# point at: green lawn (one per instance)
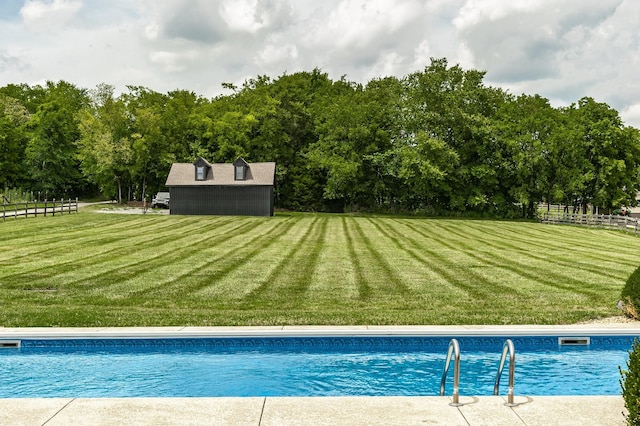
(91, 269)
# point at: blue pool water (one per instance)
(304, 366)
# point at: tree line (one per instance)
(437, 141)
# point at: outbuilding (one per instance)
(239, 188)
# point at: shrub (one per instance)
(630, 296)
(630, 384)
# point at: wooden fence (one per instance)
(603, 221)
(35, 209)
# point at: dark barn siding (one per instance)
(222, 200)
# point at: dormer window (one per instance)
(240, 169)
(239, 173)
(201, 168)
(201, 173)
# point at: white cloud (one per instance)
(152, 31)
(529, 40)
(422, 54)
(54, 15)
(390, 63)
(631, 115)
(358, 23)
(240, 15)
(277, 53)
(475, 12)
(562, 50)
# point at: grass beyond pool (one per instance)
(305, 366)
(91, 269)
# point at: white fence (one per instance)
(42, 208)
(603, 221)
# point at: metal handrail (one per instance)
(507, 348)
(454, 349)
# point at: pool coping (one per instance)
(619, 329)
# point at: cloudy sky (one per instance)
(562, 50)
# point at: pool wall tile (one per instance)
(323, 344)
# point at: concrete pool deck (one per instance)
(352, 411)
(263, 411)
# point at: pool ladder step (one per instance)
(454, 351)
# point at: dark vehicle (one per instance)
(621, 212)
(161, 200)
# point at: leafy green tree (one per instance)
(13, 140)
(344, 137)
(611, 153)
(299, 184)
(526, 125)
(180, 123)
(150, 148)
(105, 150)
(51, 154)
(30, 97)
(452, 105)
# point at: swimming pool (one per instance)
(305, 366)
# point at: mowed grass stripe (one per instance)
(561, 239)
(588, 248)
(122, 256)
(519, 295)
(426, 284)
(449, 262)
(152, 285)
(198, 256)
(213, 282)
(154, 270)
(377, 250)
(362, 283)
(403, 255)
(334, 280)
(35, 245)
(81, 280)
(597, 263)
(511, 265)
(542, 256)
(265, 272)
(288, 282)
(83, 228)
(89, 245)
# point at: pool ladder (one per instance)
(509, 349)
(454, 350)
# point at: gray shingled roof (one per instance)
(183, 174)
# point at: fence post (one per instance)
(626, 224)
(53, 213)
(76, 204)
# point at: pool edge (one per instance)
(623, 329)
